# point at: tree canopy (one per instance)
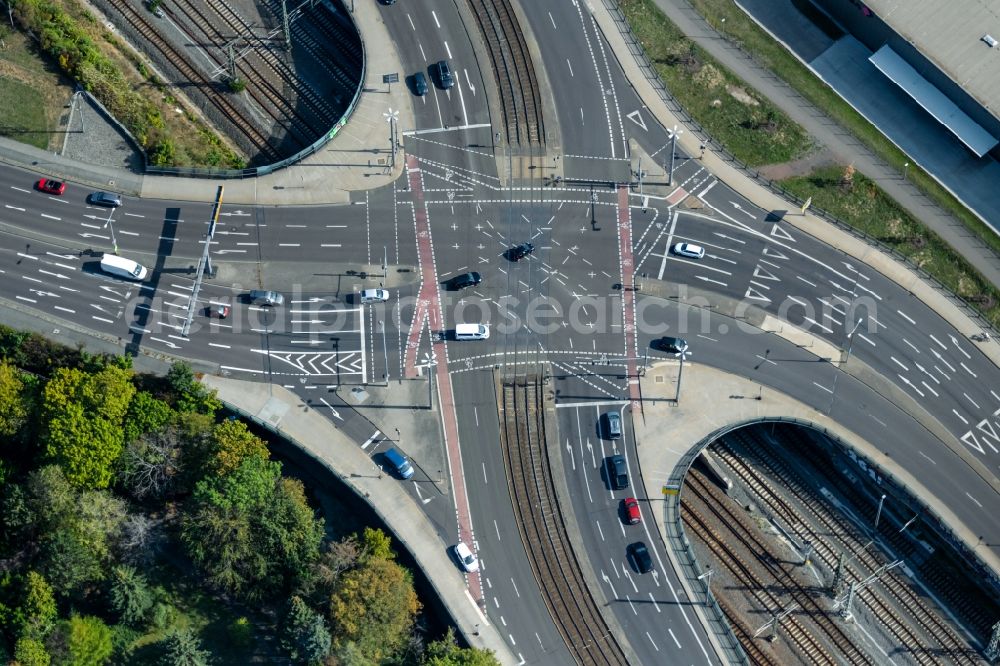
(82, 417)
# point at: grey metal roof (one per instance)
(949, 33)
(933, 101)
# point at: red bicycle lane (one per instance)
(428, 312)
(628, 294)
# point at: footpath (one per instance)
(286, 414)
(669, 435)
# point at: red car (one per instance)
(217, 311)
(632, 516)
(51, 186)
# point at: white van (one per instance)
(472, 331)
(122, 267)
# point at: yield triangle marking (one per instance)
(756, 295)
(972, 435)
(637, 119)
(987, 428)
(778, 232)
(771, 252)
(765, 274)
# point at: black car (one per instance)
(640, 556)
(420, 84)
(617, 472)
(671, 345)
(465, 280)
(521, 251)
(444, 76)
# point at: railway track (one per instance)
(543, 532)
(739, 531)
(949, 646)
(138, 22)
(515, 72)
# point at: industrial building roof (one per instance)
(953, 35)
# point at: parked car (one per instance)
(671, 345)
(469, 562)
(519, 252)
(444, 75)
(689, 250)
(617, 472)
(420, 84)
(631, 511)
(641, 559)
(266, 298)
(109, 199)
(51, 186)
(465, 280)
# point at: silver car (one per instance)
(268, 298)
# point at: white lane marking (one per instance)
(974, 500)
(912, 346)
(422, 54)
(906, 317)
(570, 65)
(928, 387)
(955, 412)
(515, 588)
(655, 603)
(897, 362)
(446, 48)
(484, 474)
(862, 336)
(52, 217)
(652, 641)
(214, 344)
(436, 22)
(410, 19)
(31, 300)
(967, 369)
(553, 21)
(811, 284)
(823, 387)
(497, 528)
(461, 100)
(599, 529)
(941, 344)
(974, 404)
(676, 642)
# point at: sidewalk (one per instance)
(833, 136)
(690, 424)
(285, 413)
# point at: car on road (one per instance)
(640, 557)
(50, 186)
(464, 280)
(265, 298)
(469, 562)
(671, 345)
(617, 472)
(218, 311)
(630, 509)
(444, 76)
(420, 84)
(108, 199)
(519, 252)
(689, 250)
(398, 462)
(373, 296)
(612, 425)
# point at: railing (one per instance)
(642, 59)
(232, 174)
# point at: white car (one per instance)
(465, 557)
(373, 296)
(689, 250)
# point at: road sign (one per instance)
(390, 78)
(671, 490)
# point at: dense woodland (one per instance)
(139, 525)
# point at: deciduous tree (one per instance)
(38, 613)
(234, 443)
(82, 418)
(446, 652)
(31, 652)
(145, 414)
(82, 640)
(374, 606)
(13, 401)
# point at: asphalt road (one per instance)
(562, 305)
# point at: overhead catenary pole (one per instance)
(205, 263)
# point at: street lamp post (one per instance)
(847, 357)
(878, 514)
(707, 576)
(673, 142)
(108, 225)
